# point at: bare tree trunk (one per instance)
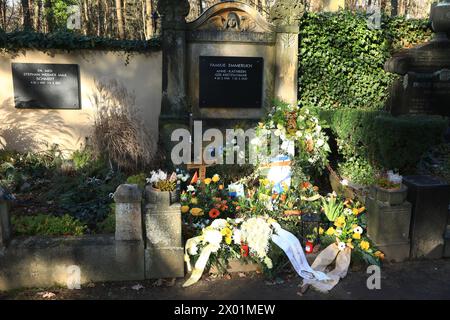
(148, 19)
(394, 8)
(119, 14)
(26, 14)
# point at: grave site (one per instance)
(224, 150)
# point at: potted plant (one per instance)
(389, 189)
(162, 189)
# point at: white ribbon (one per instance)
(294, 251)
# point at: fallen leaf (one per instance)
(47, 295)
(158, 283)
(138, 287)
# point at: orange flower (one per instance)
(274, 196)
(283, 198)
(316, 188)
(306, 185)
(214, 213)
(221, 187)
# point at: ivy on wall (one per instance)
(342, 60)
(14, 42)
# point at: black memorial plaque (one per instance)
(46, 86)
(231, 82)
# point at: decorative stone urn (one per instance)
(440, 16)
(391, 196)
(162, 199)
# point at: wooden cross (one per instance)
(200, 167)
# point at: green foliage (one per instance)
(359, 170)
(109, 224)
(140, 180)
(341, 59)
(67, 40)
(403, 140)
(368, 140)
(332, 207)
(17, 168)
(46, 225)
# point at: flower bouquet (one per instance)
(205, 201)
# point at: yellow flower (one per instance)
(356, 236)
(340, 221)
(365, 245)
(358, 211)
(265, 182)
(227, 233)
(271, 220)
(207, 181)
(321, 231)
(196, 212)
(215, 178)
(379, 255)
(194, 201)
(184, 209)
(330, 231)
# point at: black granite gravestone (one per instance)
(46, 86)
(430, 198)
(231, 82)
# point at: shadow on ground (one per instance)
(411, 280)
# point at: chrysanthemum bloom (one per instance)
(330, 231)
(207, 181)
(216, 178)
(214, 213)
(184, 209)
(196, 212)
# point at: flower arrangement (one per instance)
(293, 124)
(162, 181)
(230, 238)
(390, 181)
(348, 229)
(205, 201)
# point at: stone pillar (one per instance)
(128, 199)
(164, 253)
(388, 222)
(174, 105)
(285, 15)
(5, 226)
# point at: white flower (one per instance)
(268, 262)
(358, 230)
(256, 232)
(162, 175)
(219, 224)
(348, 211)
(190, 188)
(277, 132)
(237, 236)
(344, 182)
(320, 143)
(342, 246)
(299, 134)
(193, 250)
(338, 232)
(213, 237)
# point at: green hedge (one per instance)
(342, 60)
(383, 140)
(67, 40)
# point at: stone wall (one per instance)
(28, 129)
